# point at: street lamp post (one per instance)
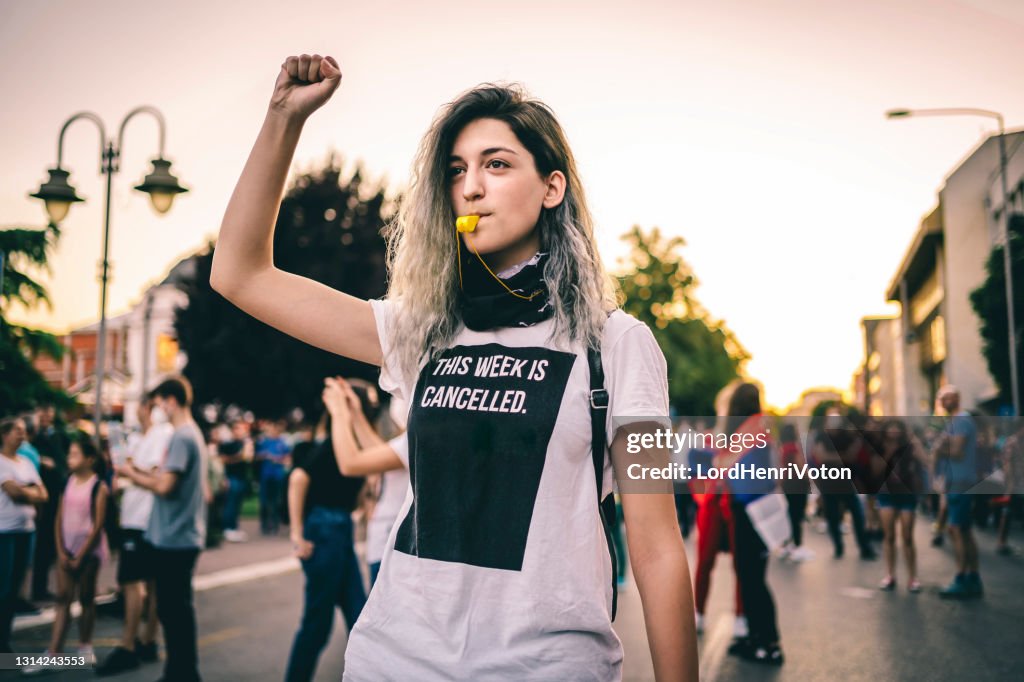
(58, 195)
(1007, 260)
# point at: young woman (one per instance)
(496, 570)
(897, 500)
(81, 546)
(320, 503)
(743, 419)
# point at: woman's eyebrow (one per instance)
(486, 152)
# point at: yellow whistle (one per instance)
(466, 223)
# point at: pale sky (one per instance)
(754, 129)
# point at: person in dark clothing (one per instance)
(836, 446)
(796, 490)
(236, 453)
(320, 502)
(52, 443)
(744, 417)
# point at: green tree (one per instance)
(328, 230)
(703, 356)
(23, 387)
(989, 303)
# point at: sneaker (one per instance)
(741, 646)
(801, 554)
(914, 586)
(1005, 550)
(235, 535)
(739, 627)
(974, 587)
(888, 584)
(955, 590)
(700, 623)
(868, 554)
(767, 655)
(118, 661)
(88, 653)
(147, 653)
(938, 539)
(838, 553)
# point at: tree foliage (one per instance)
(703, 356)
(989, 303)
(23, 387)
(328, 229)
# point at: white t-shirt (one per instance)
(147, 452)
(394, 487)
(498, 567)
(17, 517)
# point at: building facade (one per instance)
(939, 340)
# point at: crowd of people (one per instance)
(151, 501)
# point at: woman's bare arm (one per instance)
(660, 568)
(353, 459)
(243, 262)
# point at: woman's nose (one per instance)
(472, 185)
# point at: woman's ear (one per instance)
(555, 189)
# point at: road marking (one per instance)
(200, 583)
(220, 636)
(715, 647)
(241, 574)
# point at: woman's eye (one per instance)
(497, 163)
(453, 171)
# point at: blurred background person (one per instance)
(81, 548)
(236, 453)
(135, 570)
(274, 454)
(1009, 502)
(796, 490)
(52, 441)
(744, 416)
(903, 464)
(320, 503)
(177, 527)
(956, 452)
(838, 445)
(21, 491)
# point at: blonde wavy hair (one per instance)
(421, 246)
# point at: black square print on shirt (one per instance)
(479, 428)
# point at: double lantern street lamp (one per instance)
(1007, 261)
(58, 195)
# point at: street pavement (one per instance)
(835, 624)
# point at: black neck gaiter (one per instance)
(485, 304)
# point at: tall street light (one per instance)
(58, 195)
(1007, 261)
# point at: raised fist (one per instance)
(304, 84)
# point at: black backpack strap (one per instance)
(92, 497)
(606, 505)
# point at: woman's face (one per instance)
(16, 436)
(75, 457)
(491, 174)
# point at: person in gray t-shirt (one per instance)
(178, 520)
(177, 526)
